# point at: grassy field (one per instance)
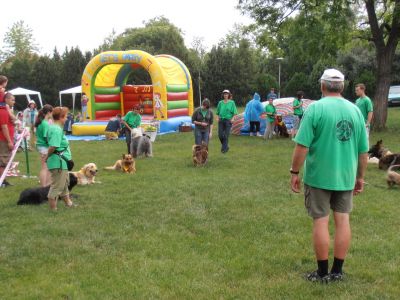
(230, 230)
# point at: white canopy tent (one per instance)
(73, 91)
(27, 93)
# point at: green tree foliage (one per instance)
(18, 42)
(381, 28)
(46, 77)
(298, 82)
(73, 64)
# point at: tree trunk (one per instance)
(383, 80)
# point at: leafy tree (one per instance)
(382, 29)
(298, 82)
(45, 79)
(18, 42)
(73, 65)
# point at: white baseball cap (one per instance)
(332, 75)
(226, 92)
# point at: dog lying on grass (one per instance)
(38, 195)
(200, 155)
(392, 176)
(385, 156)
(126, 164)
(86, 175)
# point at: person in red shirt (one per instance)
(6, 133)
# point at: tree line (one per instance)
(245, 61)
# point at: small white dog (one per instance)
(140, 144)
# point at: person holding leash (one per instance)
(131, 120)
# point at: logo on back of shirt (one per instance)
(344, 130)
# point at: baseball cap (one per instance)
(332, 75)
(31, 102)
(226, 92)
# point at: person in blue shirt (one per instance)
(252, 113)
(272, 95)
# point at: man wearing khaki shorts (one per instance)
(333, 143)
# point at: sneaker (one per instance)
(336, 276)
(314, 277)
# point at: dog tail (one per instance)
(392, 167)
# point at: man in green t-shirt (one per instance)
(270, 121)
(364, 103)
(297, 112)
(131, 120)
(332, 141)
(226, 110)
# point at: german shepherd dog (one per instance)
(126, 164)
(385, 156)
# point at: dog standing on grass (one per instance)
(140, 144)
(392, 176)
(200, 154)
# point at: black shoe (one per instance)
(336, 276)
(314, 277)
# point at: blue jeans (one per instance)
(224, 129)
(201, 135)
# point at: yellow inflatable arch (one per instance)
(104, 81)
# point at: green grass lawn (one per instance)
(230, 230)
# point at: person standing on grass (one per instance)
(226, 110)
(42, 126)
(58, 146)
(203, 119)
(131, 120)
(252, 114)
(6, 134)
(297, 111)
(270, 120)
(332, 141)
(364, 103)
(30, 114)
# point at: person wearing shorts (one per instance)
(42, 126)
(58, 144)
(332, 141)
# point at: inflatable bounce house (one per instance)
(167, 102)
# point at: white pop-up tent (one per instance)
(21, 91)
(73, 91)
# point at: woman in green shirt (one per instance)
(57, 155)
(131, 120)
(42, 125)
(226, 110)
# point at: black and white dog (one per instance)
(140, 144)
(38, 195)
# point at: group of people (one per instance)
(46, 129)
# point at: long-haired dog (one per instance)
(86, 175)
(126, 164)
(140, 144)
(200, 154)
(392, 177)
(280, 127)
(385, 156)
(39, 195)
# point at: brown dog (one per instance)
(126, 164)
(392, 176)
(86, 174)
(200, 155)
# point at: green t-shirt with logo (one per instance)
(365, 105)
(57, 139)
(298, 111)
(226, 110)
(270, 109)
(333, 130)
(133, 119)
(41, 134)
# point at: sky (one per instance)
(86, 23)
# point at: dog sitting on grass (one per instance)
(38, 195)
(200, 155)
(126, 164)
(86, 175)
(392, 176)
